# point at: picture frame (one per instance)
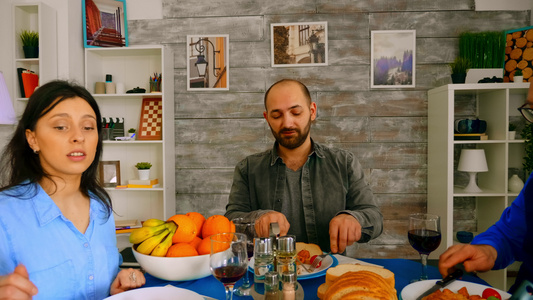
(151, 119)
(208, 62)
(105, 23)
(299, 44)
(518, 53)
(109, 173)
(393, 59)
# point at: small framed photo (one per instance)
(299, 44)
(518, 54)
(208, 62)
(392, 59)
(105, 23)
(109, 173)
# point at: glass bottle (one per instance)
(272, 286)
(263, 258)
(286, 254)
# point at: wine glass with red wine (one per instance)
(424, 235)
(246, 227)
(229, 259)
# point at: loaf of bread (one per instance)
(353, 281)
(312, 249)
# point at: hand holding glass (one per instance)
(229, 259)
(424, 235)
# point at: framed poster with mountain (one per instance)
(392, 59)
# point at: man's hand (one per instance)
(262, 225)
(344, 230)
(17, 285)
(474, 258)
(127, 279)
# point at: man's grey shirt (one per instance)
(332, 183)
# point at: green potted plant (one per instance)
(512, 131)
(459, 68)
(518, 77)
(144, 170)
(30, 43)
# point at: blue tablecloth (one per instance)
(404, 271)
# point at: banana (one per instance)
(162, 248)
(149, 245)
(153, 222)
(141, 234)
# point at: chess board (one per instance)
(151, 121)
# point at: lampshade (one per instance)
(7, 112)
(473, 160)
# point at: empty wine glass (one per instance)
(247, 228)
(228, 260)
(424, 235)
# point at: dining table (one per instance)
(405, 270)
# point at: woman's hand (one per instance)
(17, 285)
(127, 279)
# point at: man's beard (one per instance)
(295, 141)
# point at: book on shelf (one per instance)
(28, 81)
(127, 224)
(143, 182)
(470, 136)
(142, 186)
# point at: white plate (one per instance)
(157, 293)
(328, 262)
(413, 290)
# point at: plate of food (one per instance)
(156, 293)
(413, 290)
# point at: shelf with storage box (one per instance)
(41, 18)
(132, 68)
(497, 104)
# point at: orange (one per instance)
(181, 250)
(198, 219)
(195, 242)
(205, 247)
(186, 229)
(217, 224)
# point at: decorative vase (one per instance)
(144, 174)
(31, 51)
(512, 135)
(518, 79)
(515, 184)
(459, 78)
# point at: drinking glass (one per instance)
(247, 228)
(424, 235)
(228, 260)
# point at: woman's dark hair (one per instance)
(20, 165)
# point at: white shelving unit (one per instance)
(495, 103)
(41, 18)
(133, 67)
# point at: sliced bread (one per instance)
(313, 249)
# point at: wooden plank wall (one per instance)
(386, 129)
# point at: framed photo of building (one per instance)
(392, 59)
(109, 173)
(208, 62)
(299, 44)
(104, 23)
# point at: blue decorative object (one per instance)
(464, 237)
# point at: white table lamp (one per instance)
(7, 113)
(472, 161)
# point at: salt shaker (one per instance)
(272, 286)
(289, 284)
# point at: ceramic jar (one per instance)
(515, 184)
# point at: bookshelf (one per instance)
(41, 18)
(496, 103)
(132, 66)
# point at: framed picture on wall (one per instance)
(104, 23)
(299, 44)
(518, 54)
(208, 62)
(109, 173)
(392, 59)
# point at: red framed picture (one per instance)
(151, 122)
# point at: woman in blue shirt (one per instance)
(57, 237)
